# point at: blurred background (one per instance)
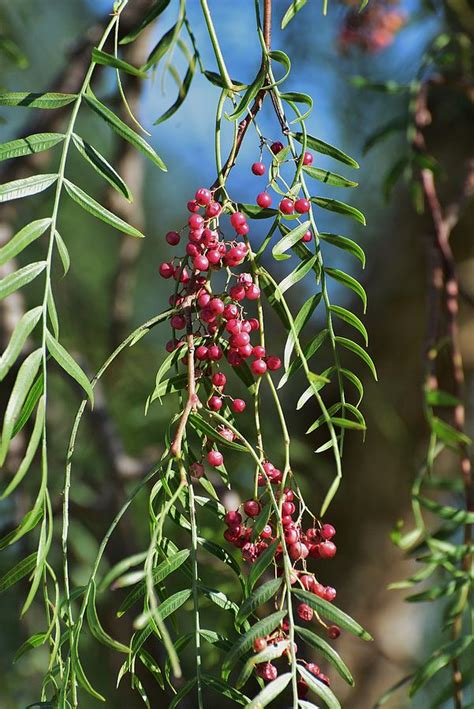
(113, 286)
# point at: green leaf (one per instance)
(29, 453)
(352, 319)
(349, 282)
(35, 143)
(22, 331)
(161, 48)
(185, 689)
(157, 8)
(357, 349)
(32, 100)
(453, 514)
(23, 238)
(440, 658)
(319, 688)
(159, 573)
(25, 187)
(183, 90)
(105, 59)
(34, 641)
(308, 351)
(395, 125)
(261, 521)
(390, 692)
(335, 615)
(169, 386)
(346, 244)
(301, 319)
(171, 604)
(217, 80)
(63, 252)
(448, 433)
(335, 205)
(100, 165)
(298, 97)
(325, 149)
(270, 692)
(330, 178)
(257, 598)
(124, 131)
(272, 652)
(255, 212)
(97, 210)
(294, 7)
(244, 643)
(261, 564)
(19, 571)
(289, 240)
(201, 425)
(31, 400)
(283, 59)
(328, 652)
(224, 688)
(436, 397)
(95, 626)
(296, 275)
(24, 380)
(70, 366)
(249, 95)
(20, 278)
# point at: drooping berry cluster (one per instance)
(217, 321)
(374, 29)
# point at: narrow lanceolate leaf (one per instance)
(348, 281)
(183, 90)
(169, 606)
(24, 380)
(157, 8)
(289, 240)
(185, 689)
(19, 571)
(446, 512)
(70, 366)
(34, 641)
(440, 658)
(96, 628)
(294, 7)
(257, 598)
(335, 615)
(97, 210)
(163, 45)
(20, 278)
(327, 651)
(124, 131)
(330, 178)
(30, 451)
(319, 688)
(326, 149)
(224, 688)
(31, 144)
(158, 574)
(342, 242)
(300, 321)
(249, 95)
(293, 97)
(297, 275)
(244, 643)
(100, 165)
(272, 652)
(261, 564)
(357, 349)
(28, 407)
(351, 319)
(270, 692)
(22, 331)
(32, 100)
(447, 433)
(23, 238)
(26, 187)
(105, 59)
(255, 212)
(335, 205)
(201, 425)
(63, 251)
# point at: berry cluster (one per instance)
(374, 29)
(217, 322)
(287, 205)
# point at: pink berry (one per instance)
(302, 206)
(217, 306)
(203, 300)
(258, 351)
(276, 147)
(307, 158)
(307, 236)
(273, 363)
(193, 206)
(267, 671)
(203, 196)
(215, 458)
(313, 668)
(237, 219)
(266, 532)
(259, 644)
(215, 403)
(230, 311)
(264, 200)
(287, 206)
(213, 210)
(237, 292)
(214, 257)
(258, 367)
(195, 221)
(232, 517)
(327, 550)
(307, 582)
(201, 263)
(178, 322)
(329, 593)
(328, 531)
(215, 353)
(238, 405)
(252, 508)
(258, 168)
(197, 470)
(298, 551)
(253, 292)
(202, 353)
(305, 612)
(243, 229)
(219, 379)
(173, 238)
(334, 632)
(166, 270)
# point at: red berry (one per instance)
(258, 351)
(258, 168)
(318, 589)
(313, 668)
(203, 300)
(302, 688)
(238, 405)
(197, 470)
(239, 339)
(258, 367)
(200, 263)
(178, 322)
(195, 221)
(237, 219)
(291, 536)
(329, 593)
(288, 508)
(307, 582)
(254, 324)
(232, 517)
(287, 206)
(237, 292)
(173, 238)
(213, 210)
(203, 196)
(307, 158)
(253, 292)
(217, 306)
(215, 458)
(298, 551)
(266, 532)
(193, 206)
(231, 311)
(273, 363)
(215, 403)
(252, 508)
(215, 353)
(202, 352)
(334, 632)
(267, 671)
(305, 612)
(307, 236)
(302, 206)
(219, 379)
(327, 550)
(264, 200)
(243, 229)
(276, 147)
(246, 350)
(259, 644)
(166, 270)
(213, 257)
(328, 531)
